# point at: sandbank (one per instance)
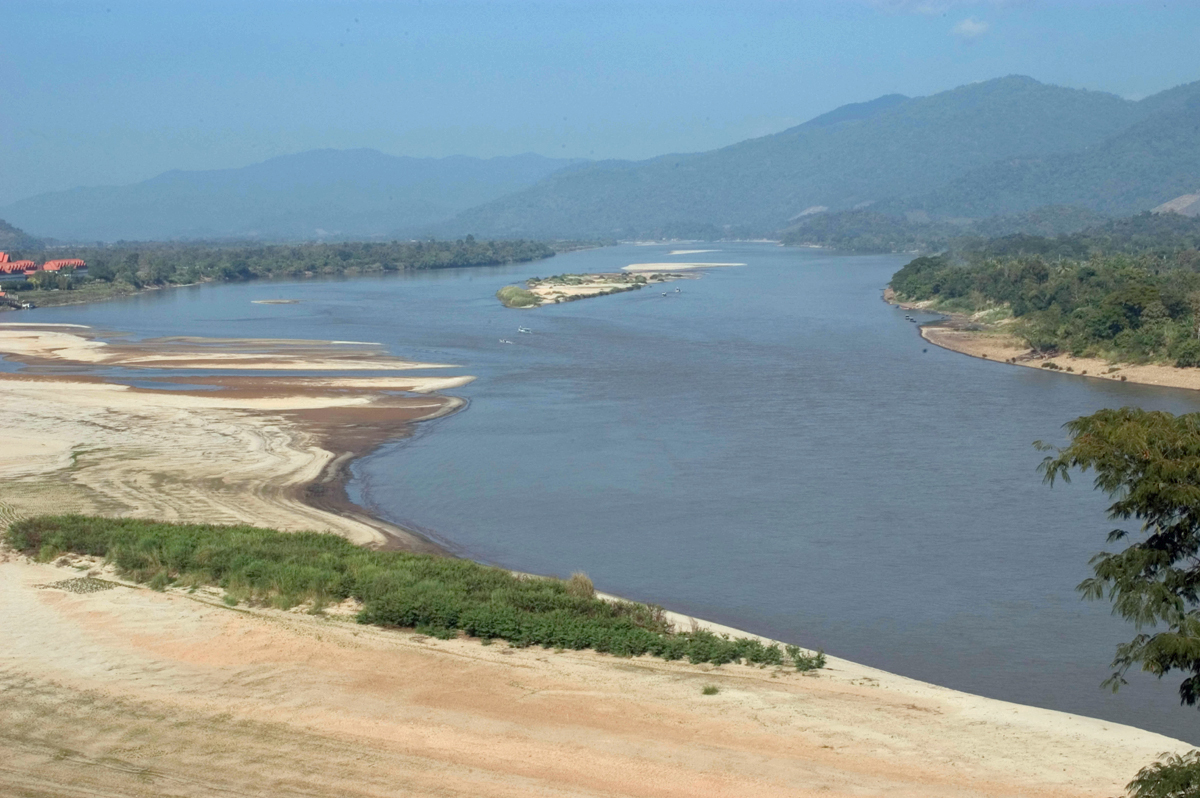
(131, 692)
(570, 287)
(51, 344)
(667, 267)
(261, 450)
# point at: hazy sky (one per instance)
(115, 92)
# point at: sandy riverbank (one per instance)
(267, 451)
(998, 345)
(129, 692)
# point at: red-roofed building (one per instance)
(58, 265)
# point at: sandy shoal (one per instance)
(130, 692)
(668, 267)
(34, 343)
(238, 456)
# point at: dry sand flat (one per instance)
(54, 343)
(129, 692)
(264, 451)
(209, 456)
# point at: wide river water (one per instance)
(773, 448)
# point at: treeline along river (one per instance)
(773, 448)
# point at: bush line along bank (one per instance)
(437, 595)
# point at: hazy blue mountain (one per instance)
(1151, 162)
(318, 194)
(892, 147)
(14, 238)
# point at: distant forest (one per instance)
(161, 264)
(868, 231)
(1126, 290)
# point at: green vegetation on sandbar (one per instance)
(514, 296)
(441, 596)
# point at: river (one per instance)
(773, 448)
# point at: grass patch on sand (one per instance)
(514, 296)
(440, 596)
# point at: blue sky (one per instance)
(114, 92)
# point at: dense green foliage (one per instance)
(1148, 462)
(871, 231)
(1145, 233)
(1172, 776)
(181, 264)
(514, 296)
(1140, 301)
(894, 154)
(438, 594)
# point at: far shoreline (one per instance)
(951, 332)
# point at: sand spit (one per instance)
(669, 267)
(53, 344)
(324, 385)
(570, 287)
(130, 692)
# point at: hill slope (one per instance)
(1153, 161)
(321, 193)
(14, 238)
(891, 147)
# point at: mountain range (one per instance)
(359, 193)
(1000, 148)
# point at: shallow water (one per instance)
(773, 448)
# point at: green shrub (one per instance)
(580, 585)
(709, 689)
(440, 596)
(514, 296)
(1172, 776)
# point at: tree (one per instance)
(1149, 463)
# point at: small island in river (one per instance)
(539, 291)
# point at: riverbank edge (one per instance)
(952, 332)
(334, 474)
